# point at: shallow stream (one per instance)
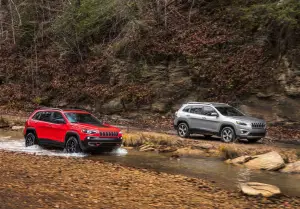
(212, 169)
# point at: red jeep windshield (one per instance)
(83, 118)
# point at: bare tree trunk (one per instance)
(190, 12)
(165, 11)
(16, 8)
(12, 22)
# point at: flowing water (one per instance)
(224, 175)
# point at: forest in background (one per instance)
(120, 56)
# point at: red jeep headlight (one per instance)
(86, 131)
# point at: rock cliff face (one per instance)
(157, 59)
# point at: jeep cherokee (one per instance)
(218, 119)
(74, 130)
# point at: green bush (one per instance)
(92, 22)
(298, 154)
(286, 12)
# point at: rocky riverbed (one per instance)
(30, 181)
(47, 182)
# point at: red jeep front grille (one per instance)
(108, 134)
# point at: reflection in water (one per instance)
(227, 176)
(244, 175)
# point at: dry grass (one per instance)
(3, 122)
(228, 151)
(298, 154)
(136, 139)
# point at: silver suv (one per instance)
(218, 119)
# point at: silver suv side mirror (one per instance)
(214, 114)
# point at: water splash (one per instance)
(119, 152)
(19, 146)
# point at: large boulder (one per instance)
(292, 168)
(255, 189)
(270, 161)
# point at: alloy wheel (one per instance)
(182, 130)
(29, 140)
(72, 145)
(227, 135)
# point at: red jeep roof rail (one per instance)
(50, 108)
(75, 108)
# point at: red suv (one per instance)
(74, 130)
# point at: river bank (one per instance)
(55, 182)
(209, 147)
(152, 140)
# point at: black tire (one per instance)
(253, 140)
(72, 145)
(30, 139)
(183, 130)
(228, 134)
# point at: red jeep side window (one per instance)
(45, 116)
(36, 116)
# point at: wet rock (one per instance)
(167, 149)
(17, 128)
(239, 160)
(291, 168)
(147, 148)
(255, 189)
(203, 146)
(270, 161)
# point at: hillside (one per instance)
(149, 56)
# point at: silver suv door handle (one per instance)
(188, 115)
(204, 118)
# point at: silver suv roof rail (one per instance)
(208, 103)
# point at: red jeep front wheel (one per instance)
(72, 145)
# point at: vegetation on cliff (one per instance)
(138, 53)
